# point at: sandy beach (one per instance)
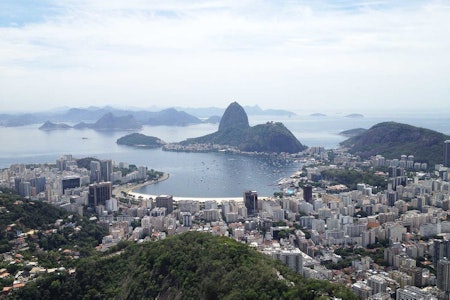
(130, 187)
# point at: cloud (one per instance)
(273, 53)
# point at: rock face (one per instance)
(234, 117)
(234, 130)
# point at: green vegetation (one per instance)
(392, 140)
(234, 130)
(140, 140)
(350, 254)
(193, 265)
(86, 162)
(351, 177)
(34, 221)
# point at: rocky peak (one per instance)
(234, 116)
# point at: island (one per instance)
(47, 126)
(140, 140)
(354, 116)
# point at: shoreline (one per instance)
(129, 188)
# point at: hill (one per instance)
(392, 140)
(192, 265)
(47, 126)
(140, 140)
(234, 130)
(353, 132)
(111, 122)
(171, 117)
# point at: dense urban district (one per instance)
(377, 226)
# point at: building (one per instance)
(99, 193)
(292, 258)
(377, 283)
(413, 293)
(441, 249)
(251, 202)
(165, 201)
(443, 275)
(187, 219)
(95, 171)
(307, 194)
(447, 153)
(70, 183)
(106, 168)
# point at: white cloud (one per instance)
(276, 54)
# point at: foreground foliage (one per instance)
(189, 266)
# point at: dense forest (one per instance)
(392, 140)
(188, 266)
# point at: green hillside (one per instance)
(140, 140)
(193, 265)
(392, 140)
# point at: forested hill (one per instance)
(392, 140)
(193, 265)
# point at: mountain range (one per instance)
(168, 117)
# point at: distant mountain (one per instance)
(318, 115)
(167, 117)
(250, 110)
(111, 122)
(352, 132)
(212, 120)
(171, 117)
(140, 140)
(354, 116)
(47, 126)
(234, 130)
(256, 110)
(7, 120)
(392, 140)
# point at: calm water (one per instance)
(195, 174)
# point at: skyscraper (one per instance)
(443, 275)
(95, 171)
(441, 249)
(307, 193)
(447, 153)
(251, 202)
(99, 193)
(165, 201)
(106, 170)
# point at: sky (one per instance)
(318, 55)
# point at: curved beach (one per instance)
(130, 187)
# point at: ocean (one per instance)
(198, 174)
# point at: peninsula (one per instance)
(235, 131)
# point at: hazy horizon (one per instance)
(316, 56)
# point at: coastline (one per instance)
(129, 188)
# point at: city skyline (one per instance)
(349, 55)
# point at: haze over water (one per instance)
(196, 174)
